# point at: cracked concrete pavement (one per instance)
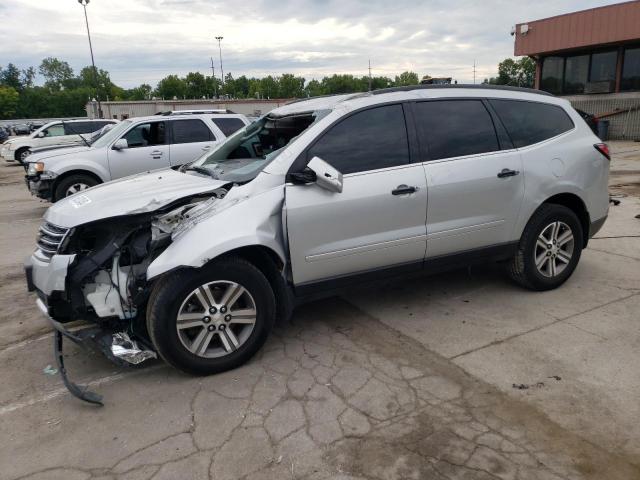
(406, 379)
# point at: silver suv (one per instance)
(132, 146)
(197, 264)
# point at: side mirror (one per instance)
(327, 177)
(40, 135)
(121, 144)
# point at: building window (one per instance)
(631, 70)
(603, 67)
(576, 74)
(552, 68)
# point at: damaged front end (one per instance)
(97, 272)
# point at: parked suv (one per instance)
(135, 145)
(67, 132)
(197, 264)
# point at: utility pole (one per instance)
(215, 84)
(474, 71)
(220, 51)
(369, 74)
(84, 4)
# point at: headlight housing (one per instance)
(35, 168)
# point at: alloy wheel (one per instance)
(554, 249)
(75, 188)
(216, 319)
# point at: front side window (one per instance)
(453, 128)
(631, 70)
(54, 131)
(530, 122)
(367, 140)
(228, 126)
(146, 135)
(190, 131)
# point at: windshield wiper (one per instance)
(74, 131)
(202, 170)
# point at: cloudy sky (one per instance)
(144, 40)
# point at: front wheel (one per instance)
(73, 184)
(549, 249)
(22, 154)
(213, 319)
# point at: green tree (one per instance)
(195, 85)
(519, 73)
(28, 76)
(406, 79)
(313, 88)
(142, 92)
(55, 72)
(9, 97)
(10, 77)
(291, 86)
(269, 87)
(171, 86)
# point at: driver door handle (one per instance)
(156, 154)
(508, 173)
(403, 190)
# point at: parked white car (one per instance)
(61, 132)
(133, 146)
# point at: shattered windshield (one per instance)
(247, 152)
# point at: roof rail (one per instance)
(482, 86)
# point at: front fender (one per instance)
(254, 221)
(64, 166)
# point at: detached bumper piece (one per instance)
(116, 346)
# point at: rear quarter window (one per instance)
(530, 122)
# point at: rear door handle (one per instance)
(403, 190)
(508, 173)
(206, 148)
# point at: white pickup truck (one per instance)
(133, 146)
(60, 132)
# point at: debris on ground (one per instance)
(49, 370)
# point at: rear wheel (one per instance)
(73, 184)
(210, 320)
(549, 248)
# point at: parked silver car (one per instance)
(197, 264)
(133, 146)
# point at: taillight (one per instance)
(603, 148)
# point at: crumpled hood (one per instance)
(140, 193)
(44, 153)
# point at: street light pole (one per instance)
(84, 4)
(220, 52)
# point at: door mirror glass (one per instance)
(40, 135)
(327, 177)
(121, 144)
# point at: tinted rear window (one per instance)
(228, 126)
(530, 122)
(190, 131)
(367, 140)
(454, 128)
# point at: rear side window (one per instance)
(530, 122)
(367, 140)
(453, 128)
(190, 131)
(228, 126)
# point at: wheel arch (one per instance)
(69, 173)
(272, 267)
(16, 155)
(574, 203)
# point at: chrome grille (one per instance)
(49, 239)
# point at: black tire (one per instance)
(62, 187)
(171, 291)
(19, 154)
(522, 267)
